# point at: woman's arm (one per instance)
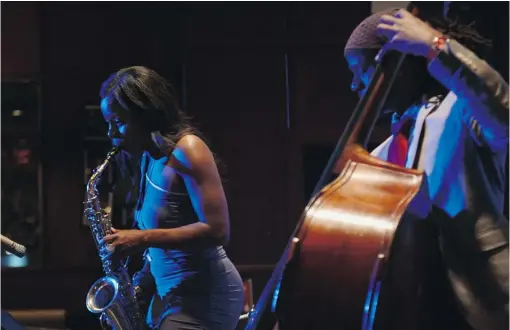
(198, 169)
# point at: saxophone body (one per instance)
(113, 295)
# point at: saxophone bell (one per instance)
(102, 294)
(104, 297)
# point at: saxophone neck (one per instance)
(98, 171)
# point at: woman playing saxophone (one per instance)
(181, 213)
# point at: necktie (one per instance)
(397, 153)
(401, 129)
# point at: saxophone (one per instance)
(113, 295)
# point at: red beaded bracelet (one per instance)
(438, 44)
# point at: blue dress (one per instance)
(197, 287)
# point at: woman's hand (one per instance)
(122, 240)
(406, 34)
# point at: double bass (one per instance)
(337, 271)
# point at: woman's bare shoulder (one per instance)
(191, 152)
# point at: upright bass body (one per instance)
(340, 263)
(341, 267)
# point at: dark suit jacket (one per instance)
(461, 143)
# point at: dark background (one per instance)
(266, 82)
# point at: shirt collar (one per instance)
(398, 120)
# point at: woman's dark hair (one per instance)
(152, 100)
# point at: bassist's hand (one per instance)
(406, 34)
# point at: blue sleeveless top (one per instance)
(198, 280)
(165, 209)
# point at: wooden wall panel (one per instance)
(321, 95)
(21, 39)
(238, 97)
(321, 98)
(235, 23)
(324, 23)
